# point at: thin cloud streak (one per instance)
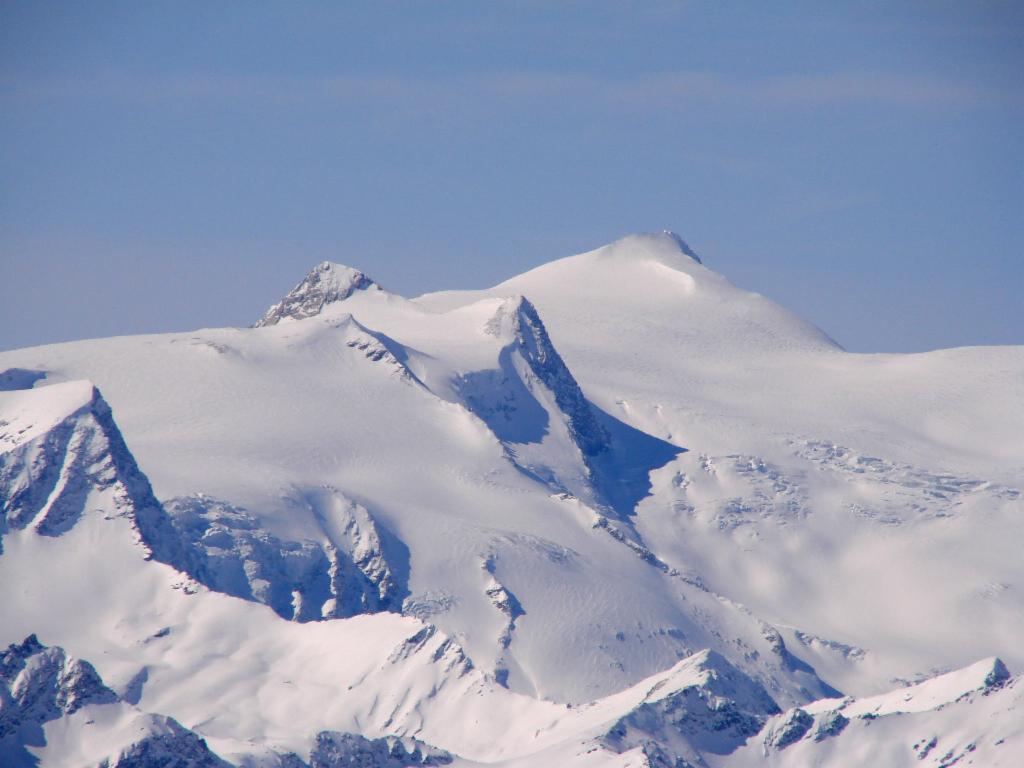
(662, 90)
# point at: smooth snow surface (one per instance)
(614, 511)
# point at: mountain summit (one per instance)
(615, 511)
(683, 246)
(325, 284)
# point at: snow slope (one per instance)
(974, 716)
(300, 422)
(816, 479)
(626, 511)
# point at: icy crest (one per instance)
(684, 247)
(325, 284)
(665, 246)
(517, 320)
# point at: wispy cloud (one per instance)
(658, 90)
(880, 88)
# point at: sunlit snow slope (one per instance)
(614, 511)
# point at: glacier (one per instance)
(614, 511)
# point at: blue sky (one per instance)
(167, 166)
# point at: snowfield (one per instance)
(612, 512)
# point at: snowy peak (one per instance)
(52, 480)
(38, 684)
(325, 284)
(702, 705)
(76, 461)
(506, 322)
(28, 413)
(663, 243)
(469, 518)
(714, 675)
(644, 295)
(985, 675)
(517, 320)
(666, 247)
(684, 247)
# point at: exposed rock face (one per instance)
(718, 709)
(325, 284)
(998, 675)
(168, 744)
(229, 552)
(44, 481)
(793, 727)
(832, 724)
(379, 348)
(350, 750)
(814, 686)
(534, 405)
(506, 603)
(39, 684)
(442, 650)
(932, 720)
(369, 565)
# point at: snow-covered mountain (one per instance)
(614, 511)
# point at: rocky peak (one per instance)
(40, 684)
(325, 284)
(702, 705)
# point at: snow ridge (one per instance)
(340, 750)
(683, 246)
(521, 562)
(518, 319)
(46, 484)
(41, 685)
(968, 713)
